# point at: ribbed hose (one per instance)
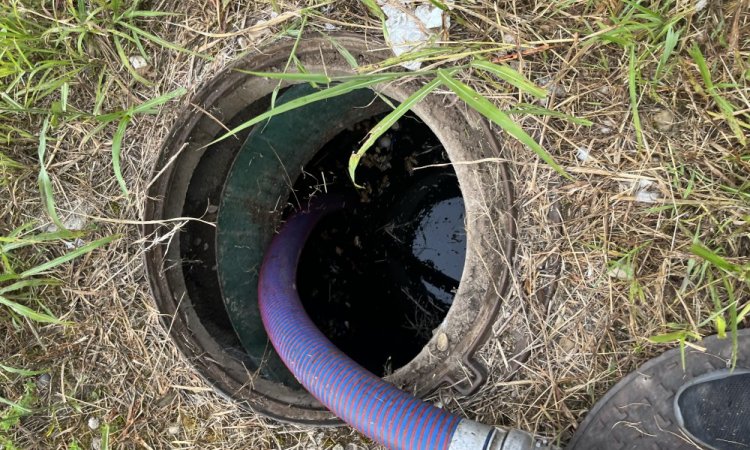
(374, 407)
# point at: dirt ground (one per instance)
(629, 218)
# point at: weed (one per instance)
(442, 77)
(45, 54)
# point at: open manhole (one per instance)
(407, 280)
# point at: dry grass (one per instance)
(624, 262)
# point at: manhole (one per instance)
(373, 277)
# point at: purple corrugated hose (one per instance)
(374, 407)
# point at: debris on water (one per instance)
(384, 142)
(378, 277)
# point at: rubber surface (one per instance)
(715, 409)
(376, 408)
(638, 412)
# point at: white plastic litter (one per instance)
(409, 29)
(645, 192)
(647, 197)
(138, 62)
(93, 423)
(582, 153)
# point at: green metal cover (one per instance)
(255, 194)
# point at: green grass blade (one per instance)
(633, 89)
(149, 14)
(10, 243)
(330, 92)
(29, 313)
(670, 43)
(440, 5)
(510, 76)
(105, 437)
(491, 112)
(387, 122)
(148, 106)
(68, 256)
(292, 76)
(15, 405)
(126, 62)
(346, 54)
(725, 107)
(26, 284)
(714, 258)
(743, 312)
(64, 92)
(326, 79)
(116, 151)
(668, 338)
(374, 9)
(22, 372)
(45, 184)
(166, 44)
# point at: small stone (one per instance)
(582, 153)
(173, 430)
(93, 423)
(442, 342)
(43, 380)
(384, 142)
(664, 120)
(338, 447)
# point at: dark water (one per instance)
(379, 276)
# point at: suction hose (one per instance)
(376, 408)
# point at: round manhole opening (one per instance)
(379, 276)
(407, 279)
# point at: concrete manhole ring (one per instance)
(189, 183)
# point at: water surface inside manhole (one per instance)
(379, 276)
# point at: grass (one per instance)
(81, 124)
(45, 54)
(441, 77)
